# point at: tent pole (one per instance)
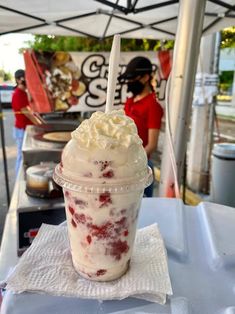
(186, 51)
(4, 156)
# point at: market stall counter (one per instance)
(201, 259)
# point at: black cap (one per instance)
(19, 74)
(137, 66)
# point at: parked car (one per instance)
(6, 92)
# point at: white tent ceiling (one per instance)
(156, 19)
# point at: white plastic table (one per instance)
(200, 242)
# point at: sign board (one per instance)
(206, 86)
(77, 81)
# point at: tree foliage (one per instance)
(5, 76)
(228, 38)
(71, 43)
(226, 80)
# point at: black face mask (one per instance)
(136, 87)
(23, 82)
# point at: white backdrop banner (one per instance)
(77, 81)
(94, 67)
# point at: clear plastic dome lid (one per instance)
(70, 181)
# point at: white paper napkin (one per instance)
(46, 267)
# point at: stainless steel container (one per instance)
(39, 181)
(36, 151)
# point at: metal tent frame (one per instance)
(121, 13)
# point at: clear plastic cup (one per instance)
(102, 220)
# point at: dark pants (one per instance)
(148, 192)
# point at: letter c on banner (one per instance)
(91, 66)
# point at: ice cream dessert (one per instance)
(103, 172)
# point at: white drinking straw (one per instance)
(113, 72)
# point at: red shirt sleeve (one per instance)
(155, 114)
(19, 100)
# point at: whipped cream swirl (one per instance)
(107, 131)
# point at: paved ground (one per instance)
(8, 122)
(226, 123)
(226, 110)
(226, 130)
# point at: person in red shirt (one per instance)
(143, 106)
(19, 105)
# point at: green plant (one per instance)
(71, 43)
(228, 37)
(225, 81)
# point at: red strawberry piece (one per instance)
(108, 174)
(80, 202)
(66, 193)
(105, 199)
(101, 232)
(71, 210)
(101, 272)
(73, 223)
(117, 232)
(125, 233)
(89, 239)
(121, 222)
(80, 218)
(117, 249)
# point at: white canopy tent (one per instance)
(184, 20)
(156, 19)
